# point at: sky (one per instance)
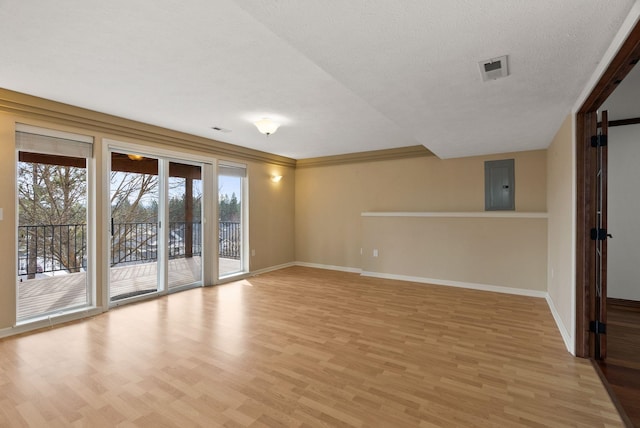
(229, 185)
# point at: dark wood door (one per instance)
(599, 235)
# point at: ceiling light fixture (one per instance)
(135, 157)
(266, 126)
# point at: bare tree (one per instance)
(52, 214)
(134, 212)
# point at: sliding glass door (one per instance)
(156, 225)
(185, 225)
(135, 201)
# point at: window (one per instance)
(54, 236)
(231, 223)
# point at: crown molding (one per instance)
(371, 156)
(39, 108)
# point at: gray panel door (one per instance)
(499, 185)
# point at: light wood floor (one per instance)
(302, 347)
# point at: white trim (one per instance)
(469, 285)
(51, 320)
(571, 346)
(244, 275)
(210, 224)
(479, 214)
(329, 267)
(569, 341)
(105, 263)
(622, 35)
(272, 268)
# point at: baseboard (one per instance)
(244, 275)
(567, 337)
(329, 267)
(459, 284)
(50, 322)
(633, 305)
(271, 268)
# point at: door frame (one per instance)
(586, 125)
(209, 211)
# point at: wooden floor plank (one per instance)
(302, 347)
(622, 366)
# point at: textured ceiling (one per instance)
(341, 76)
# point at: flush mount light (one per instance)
(135, 157)
(266, 126)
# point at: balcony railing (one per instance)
(51, 248)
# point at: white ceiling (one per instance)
(341, 76)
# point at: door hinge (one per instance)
(598, 141)
(598, 234)
(597, 327)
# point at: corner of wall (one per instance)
(566, 333)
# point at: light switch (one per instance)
(0, 213)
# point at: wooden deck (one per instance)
(51, 294)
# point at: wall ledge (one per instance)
(460, 214)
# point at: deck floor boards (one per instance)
(56, 293)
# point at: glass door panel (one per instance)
(134, 198)
(230, 230)
(185, 225)
(52, 232)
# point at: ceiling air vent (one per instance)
(217, 128)
(494, 68)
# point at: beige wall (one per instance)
(330, 199)
(271, 216)
(271, 205)
(561, 228)
(482, 252)
(7, 224)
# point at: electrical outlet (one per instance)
(375, 252)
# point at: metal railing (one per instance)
(229, 239)
(51, 248)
